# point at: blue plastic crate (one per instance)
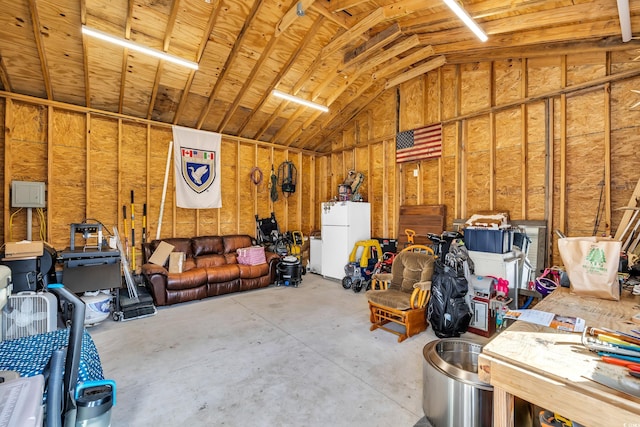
(488, 240)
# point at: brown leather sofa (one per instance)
(211, 268)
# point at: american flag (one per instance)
(419, 144)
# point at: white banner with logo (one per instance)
(197, 168)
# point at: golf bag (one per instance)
(448, 312)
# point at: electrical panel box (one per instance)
(26, 194)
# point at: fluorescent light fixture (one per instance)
(138, 48)
(464, 16)
(625, 19)
(300, 101)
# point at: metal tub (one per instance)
(452, 394)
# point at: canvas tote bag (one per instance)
(592, 265)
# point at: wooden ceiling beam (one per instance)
(430, 65)
(341, 19)
(372, 46)
(292, 15)
(37, 35)
(383, 56)
(612, 43)
(173, 14)
(213, 18)
(381, 14)
(403, 63)
(229, 62)
(353, 33)
(579, 31)
(340, 5)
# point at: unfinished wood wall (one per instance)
(92, 162)
(518, 137)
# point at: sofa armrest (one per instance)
(156, 281)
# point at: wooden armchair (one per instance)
(401, 296)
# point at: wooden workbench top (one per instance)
(550, 368)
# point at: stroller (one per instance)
(268, 235)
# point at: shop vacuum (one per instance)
(289, 271)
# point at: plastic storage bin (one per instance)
(488, 240)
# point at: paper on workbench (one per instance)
(552, 320)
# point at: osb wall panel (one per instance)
(306, 194)
(362, 164)
(263, 190)
(449, 92)
(103, 172)
(432, 101)
(477, 173)
(412, 105)
(67, 189)
(508, 185)
(449, 170)
(508, 78)
(431, 179)
(410, 183)
(245, 205)
(584, 67)
(228, 168)
(292, 201)
(474, 88)
(383, 115)
(26, 159)
(133, 177)
(543, 75)
(279, 207)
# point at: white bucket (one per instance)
(97, 307)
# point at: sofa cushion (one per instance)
(235, 242)
(222, 273)
(253, 271)
(187, 279)
(211, 260)
(205, 245)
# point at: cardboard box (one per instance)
(160, 255)
(23, 249)
(176, 261)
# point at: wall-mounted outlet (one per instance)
(415, 172)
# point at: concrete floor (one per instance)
(277, 356)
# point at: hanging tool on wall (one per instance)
(126, 239)
(287, 177)
(144, 223)
(273, 187)
(133, 235)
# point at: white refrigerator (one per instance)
(343, 224)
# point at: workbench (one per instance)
(550, 368)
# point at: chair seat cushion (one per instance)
(391, 298)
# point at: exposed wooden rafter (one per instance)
(430, 65)
(165, 48)
(213, 18)
(85, 55)
(372, 46)
(285, 69)
(37, 35)
(125, 55)
(294, 13)
(230, 59)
